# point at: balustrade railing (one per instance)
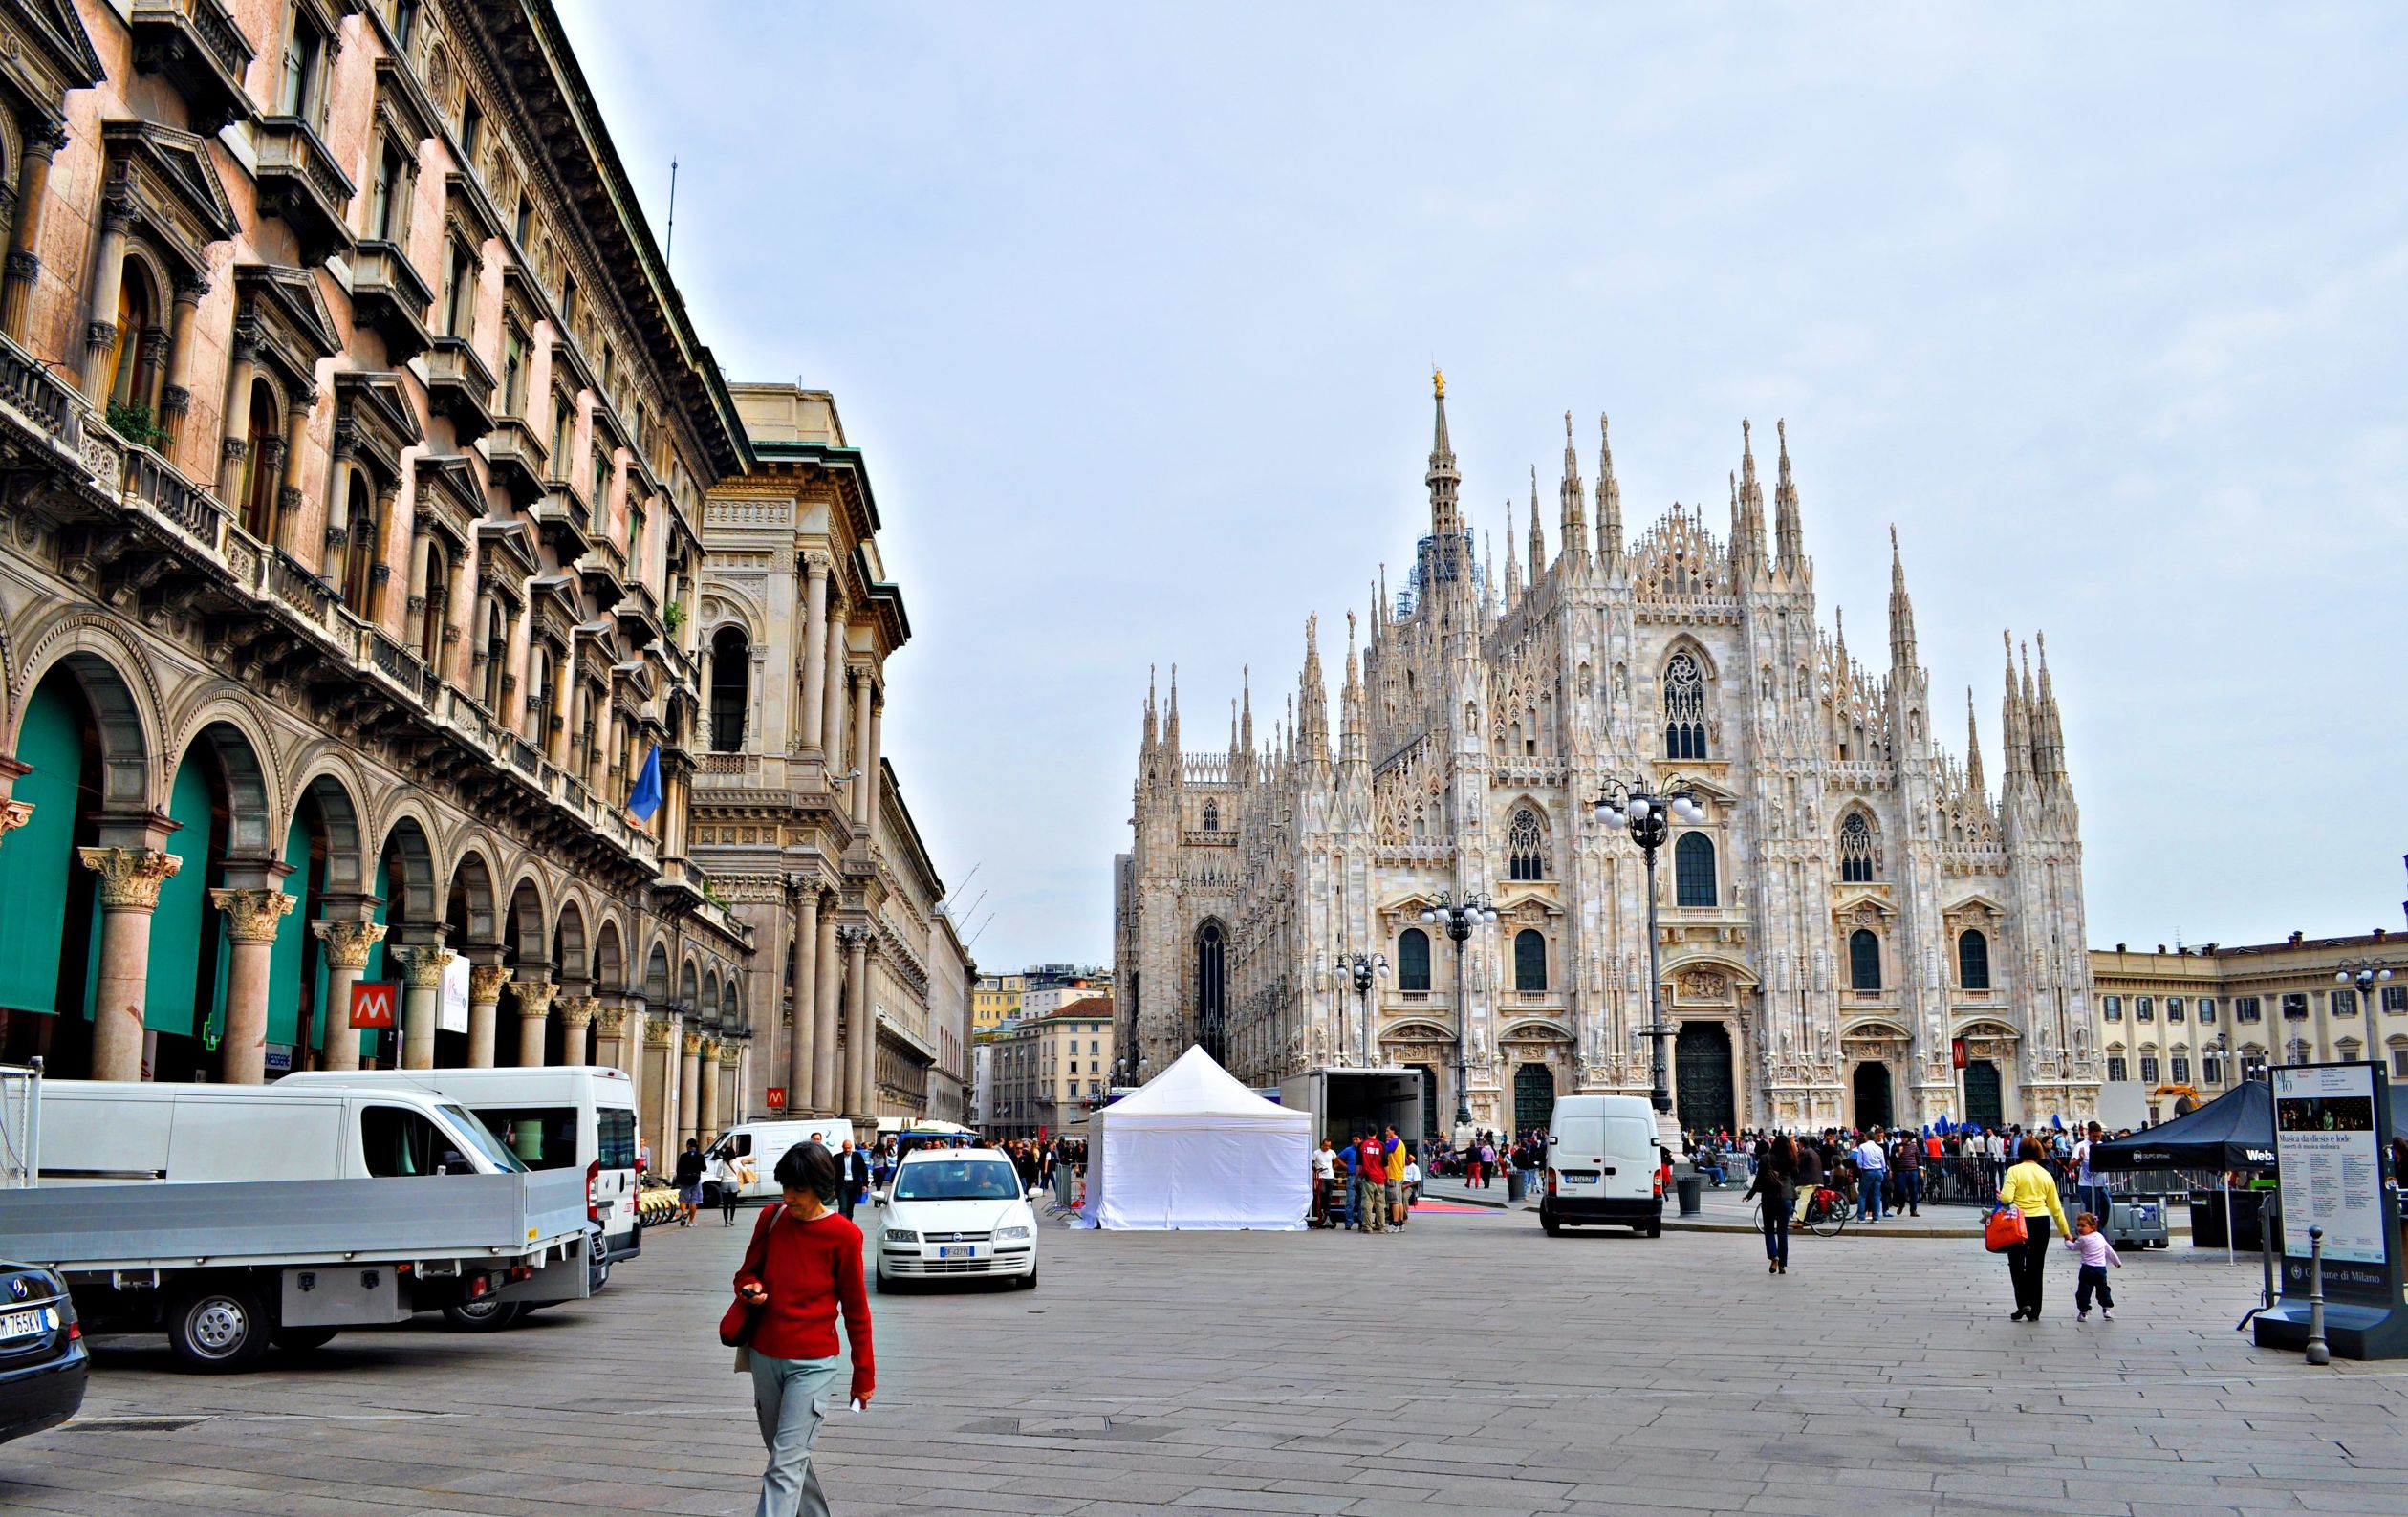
(152, 480)
(28, 383)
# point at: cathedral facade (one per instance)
(1859, 931)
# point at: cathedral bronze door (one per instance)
(1701, 1076)
(1873, 1094)
(1533, 1097)
(1983, 1105)
(1429, 1103)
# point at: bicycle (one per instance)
(1825, 1213)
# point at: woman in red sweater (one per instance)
(804, 1262)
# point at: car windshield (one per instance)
(958, 1180)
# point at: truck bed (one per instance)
(177, 1225)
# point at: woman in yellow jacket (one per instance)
(2031, 1189)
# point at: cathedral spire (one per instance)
(1312, 699)
(1609, 502)
(1170, 730)
(1512, 566)
(1151, 733)
(1351, 704)
(2050, 740)
(1784, 497)
(1748, 508)
(1972, 746)
(1441, 479)
(1245, 701)
(1901, 611)
(1538, 534)
(1575, 516)
(2014, 736)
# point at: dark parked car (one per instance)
(43, 1364)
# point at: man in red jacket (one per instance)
(1373, 1162)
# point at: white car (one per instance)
(957, 1213)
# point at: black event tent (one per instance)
(2234, 1131)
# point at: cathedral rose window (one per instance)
(1685, 707)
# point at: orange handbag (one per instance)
(2005, 1230)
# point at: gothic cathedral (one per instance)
(1857, 932)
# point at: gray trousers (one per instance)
(786, 1393)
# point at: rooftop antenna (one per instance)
(955, 893)
(668, 249)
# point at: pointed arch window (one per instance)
(1530, 960)
(1855, 850)
(1212, 817)
(1413, 959)
(1864, 960)
(1693, 870)
(1973, 960)
(1525, 847)
(1685, 707)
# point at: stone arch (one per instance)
(328, 785)
(689, 986)
(410, 877)
(523, 923)
(567, 945)
(610, 968)
(251, 806)
(124, 706)
(472, 883)
(708, 1005)
(655, 974)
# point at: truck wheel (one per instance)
(223, 1329)
(302, 1340)
(484, 1314)
(1655, 1230)
(1547, 1224)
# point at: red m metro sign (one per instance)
(372, 1004)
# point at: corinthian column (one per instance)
(422, 978)
(688, 1086)
(348, 945)
(858, 1035)
(251, 919)
(814, 650)
(827, 1086)
(130, 878)
(576, 1014)
(806, 1004)
(706, 1093)
(534, 1004)
(485, 1004)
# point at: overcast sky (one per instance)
(1133, 311)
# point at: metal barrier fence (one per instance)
(20, 1124)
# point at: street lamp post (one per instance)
(1363, 971)
(1647, 811)
(2368, 976)
(1459, 919)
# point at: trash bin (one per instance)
(1692, 1189)
(1516, 1182)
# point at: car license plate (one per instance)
(1579, 1179)
(26, 1324)
(959, 1251)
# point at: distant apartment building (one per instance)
(1040, 1073)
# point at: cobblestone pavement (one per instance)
(1466, 1364)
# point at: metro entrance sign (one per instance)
(372, 1003)
(777, 1098)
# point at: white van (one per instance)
(551, 1116)
(1602, 1163)
(765, 1143)
(119, 1132)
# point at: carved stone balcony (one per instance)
(388, 296)
(639, 615)
(460, 386)
(515, 459)
(196, 47)
(604, 568)
(563, 520)
(299, 183)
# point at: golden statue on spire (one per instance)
(1438, 381)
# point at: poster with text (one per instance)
(2332, 1166)
(451, 1011)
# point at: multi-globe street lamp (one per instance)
(1363, 971)
(2368, 976)
(1459, 919)
(1647, 810)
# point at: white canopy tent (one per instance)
(1195, 1149)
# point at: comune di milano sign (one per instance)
(2333, 1133)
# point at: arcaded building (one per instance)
(353, 451)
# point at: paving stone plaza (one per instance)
(1467, 1364)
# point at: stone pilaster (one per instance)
(484, 1003)
(535, 1004)
(347, 947)
(423, 987)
